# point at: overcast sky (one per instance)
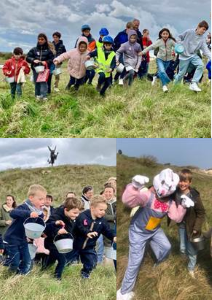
(21, 21)
(24, 153)
(180, 152)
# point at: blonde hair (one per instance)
(33, 189)
(97, 199)
(52, 47)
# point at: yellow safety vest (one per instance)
(104, 64)
(99, 44)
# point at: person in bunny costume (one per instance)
(155, 203)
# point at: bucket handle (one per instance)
(35, 219)
(63, 233)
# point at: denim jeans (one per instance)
(196, 61)
(162, 67)
(18, 258)
(100, 249)
(16, 88)
(50, 259)
(88, 258)
(189, 249)
(41, 88)
(182, 236)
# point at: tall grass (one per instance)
(138, 111)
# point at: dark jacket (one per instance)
(110, 216)
(4, 216)
(42, 53)
(59, 48)
(83, 227)
(52, 230)
(15, 234)
(121, 38)
(139, 40)
(1, 242)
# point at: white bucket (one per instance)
(110, 253)
(39, 69)
(90, 64)
(32, 250)
(129, 68)
(57, 71)
(64, 245)
(10, 79)
(120, 68)
(34, 230)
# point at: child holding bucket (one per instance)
(89, 225)
(63, 217)
(15, 239)
(193, 219)
(12, 69)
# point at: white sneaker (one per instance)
(127, 296)
(56, 90)
(154, 79)
(38, 97)
(121, 81)
(165, 89)
(191, 273)
(44, 98)
(194, 87)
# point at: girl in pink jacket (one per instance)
(76, 63)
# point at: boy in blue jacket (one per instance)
(89, 225)
(15, 239)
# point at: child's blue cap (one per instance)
(84, 27)
(103, 31)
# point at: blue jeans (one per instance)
(41, 88)
(189, 249)
(18, 258)
(162, 67)
(88, 258)
(181, 231)
(16, 88)
(196, 61)
(100, 249)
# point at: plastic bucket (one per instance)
(64, 243)
(120, 68)
(129, 68)
(32, 250)
(57, 71)
(33, 229)
(198, 242)
(39, 69)
(110, 253)
(178, 48)
(10, 79)
(90, 65)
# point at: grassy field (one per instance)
(138, 111)
(37, 285)
(171, 279)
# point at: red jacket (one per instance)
(146, 43)
(12, 67)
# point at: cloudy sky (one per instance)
(180, 152)
(24, 153)
(21, 21)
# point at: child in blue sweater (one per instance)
(15, 239)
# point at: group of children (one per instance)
(170, 195)
(129, 48)
(84, 223)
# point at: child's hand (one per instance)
(136, 70)
(140, 53)
(56, 62)
(88, 57)
(114, 239)
(62, 231)
(36, 61)
(92, 234)
(1, 251)
(117, 63)
(109, 71)
(23, 68)
(8, 222)
(43, 63)
(34, 215)
(59, 222)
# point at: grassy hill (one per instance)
(170, 280)
(138, 111)
(39, 286)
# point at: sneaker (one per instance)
(38, 97)
(154, 80)
(194, 87)
(165, 89)
(191, 273)
(121, 81)
(44, 98)
(56, 89)
(127, 296)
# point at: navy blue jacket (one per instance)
(42, 53)
(121, 38)
(59, 47)
(52, 230)
(15, 234)
(95, 54)
(1, 242)
(82, 228)
(139, 40)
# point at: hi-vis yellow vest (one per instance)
(99, 44)
(104, 64)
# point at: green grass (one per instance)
(171, 279)
(138, 111)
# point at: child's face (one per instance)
(184, 185)
(9, 201)
(82, 47)
(86, 32)
(56, 39)
(108, 46)
(38, 199)
(72, 213)
(146, 34)
(99, 210)
(165, 35)
(108, 193)
(17, 56)
(133, 38)
(201, 30)
(41, 41)
(89, 194)
(48, 202)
